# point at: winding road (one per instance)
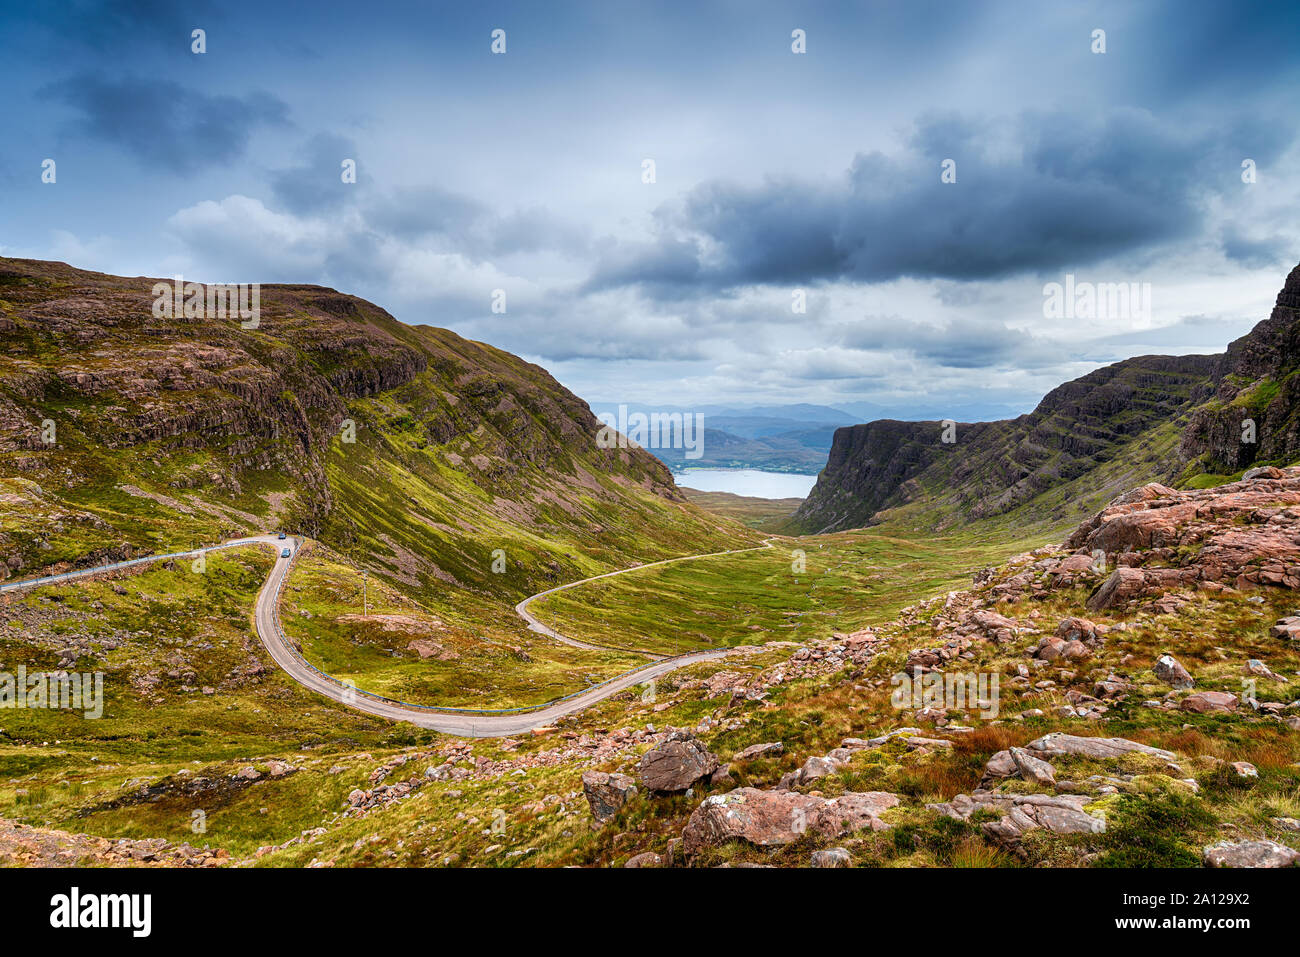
(464, 722)
(522, 611)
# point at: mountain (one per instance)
(793, 438)
(786, 438)
(1122, 413)
(802, 452)
(412, 450)
(1183, 420)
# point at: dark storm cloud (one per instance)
(478, 172)
(163, 123)
(1051, 191)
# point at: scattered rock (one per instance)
(1260, 670)
(815, 768)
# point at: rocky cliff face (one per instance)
(994, 467)
(1254, 383)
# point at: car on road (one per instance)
(281, 536)
(285, 553)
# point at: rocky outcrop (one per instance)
(1236, 535)
(868, 466)
(768, 749)
(1253, 382)
(22, 845)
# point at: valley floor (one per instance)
(205, 744)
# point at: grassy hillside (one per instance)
(414, 452)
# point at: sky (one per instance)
(779, 178)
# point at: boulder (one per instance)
(773, 818)
(1032, 769)
(1075, 651)
(994, 626)
(1050, 649)
(1169, 670)
(1260, 670)
(648, 859)
(1207, 702)
(676, 764)
(1059, 743)
(1124, 583)
(1059, 813)
(815, 768)
(606, 793)
(1001, 765)
(832, 857)
(1076, 629)
(1249, 854)
(771, 749)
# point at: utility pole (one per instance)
(365, 596)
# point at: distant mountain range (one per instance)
(793, 438)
